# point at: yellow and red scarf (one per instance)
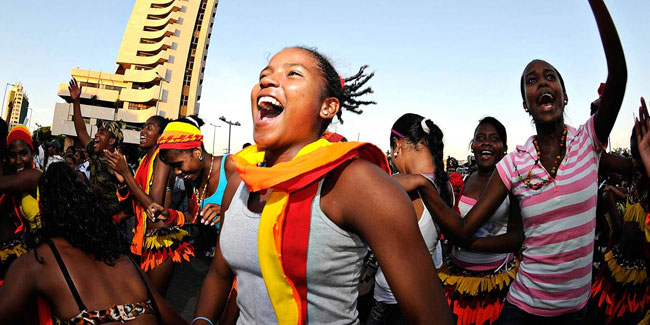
(283, 233)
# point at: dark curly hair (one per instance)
(347, 95)
(410, 126)
(72, 211)
(191, 119)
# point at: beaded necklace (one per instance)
(200, 198)
(554, 170)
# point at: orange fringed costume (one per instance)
(284, 225)
(156, 245)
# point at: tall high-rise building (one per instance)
(160, 68)
(17, 105)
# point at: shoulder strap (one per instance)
(153, 301)
(66, 275)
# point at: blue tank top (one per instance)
(217, 196)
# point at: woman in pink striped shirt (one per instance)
(553, 177)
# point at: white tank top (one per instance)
(496, 225)
(431, 233)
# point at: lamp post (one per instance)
(3, 100)
(160, 90)
(230, 124)
(214, 135)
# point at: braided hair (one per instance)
(411, 126)
(346, 90)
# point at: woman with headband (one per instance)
(158, 243)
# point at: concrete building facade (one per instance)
(16, 107)
(160, 66)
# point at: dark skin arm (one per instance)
(610, 102)
(79, 124)
(610, 162)
(616, 192)
(510, 241)
(614, 216)
(218, 280)
(354, 198)
(459, 230)
(117, 161)
(25, 181)
(18, 287)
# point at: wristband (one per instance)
(202, 318)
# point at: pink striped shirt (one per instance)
(559, 223)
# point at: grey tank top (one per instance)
(334, 258)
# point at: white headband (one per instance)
(424, 126)
(195, 122)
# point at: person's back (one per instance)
(99, 285)
(81, 267)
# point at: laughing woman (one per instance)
(554, 178)
(301, 210)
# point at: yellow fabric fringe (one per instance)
(634, 212)
(473, 285)
(624, 275)
(164, 241)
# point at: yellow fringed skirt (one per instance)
(477, 297)
(621, 286)
(165, 243)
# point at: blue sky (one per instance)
(454, 62)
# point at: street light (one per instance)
(213, 135)
(160, 90)
(230, 124)
(3, 100)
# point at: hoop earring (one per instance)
(201, 157)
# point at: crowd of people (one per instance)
(554, 231)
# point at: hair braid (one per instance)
(353, 86)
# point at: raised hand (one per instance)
(642, 132)
(117, 161)
(75, 90)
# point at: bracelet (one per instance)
(202, 318)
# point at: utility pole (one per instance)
(230, 124)
(214, 135)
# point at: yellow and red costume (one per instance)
(160, 244)
(284, 225)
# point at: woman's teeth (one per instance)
(268, 100)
